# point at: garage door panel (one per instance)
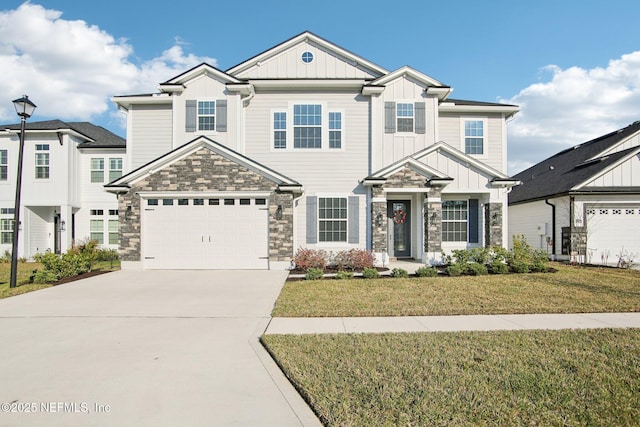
(611, 230)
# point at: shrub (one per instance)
(314, 274)
(43, 276)
(498, 267)
(454, 270)
(461, 256)
(499, 254)
(306, 259)
(477, 269)
(481, 255)
(68, 265)
(354, 259)
(519, 267)
(105, 254)
(427, 272)
(370, 273)
(399, 272)
(6, 258)
(344, 275)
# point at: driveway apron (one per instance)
(145, 348)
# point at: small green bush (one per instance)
(370, 273)
(314, 274)
(477, 269)
(461, 256)
(344, 275)
(43, 276)
(519, 267)
(427, 272)
(481, 255)
(498, 267)
(399, 272)
(454, 270)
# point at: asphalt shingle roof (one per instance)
(101, 137)
(561, 172)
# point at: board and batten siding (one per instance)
(627, 174)
(451, 131)
(289, 65)
(633, 141)
(465, 177)
(152, 133)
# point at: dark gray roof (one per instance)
(558, 174)
(97, 136)
(477, 103)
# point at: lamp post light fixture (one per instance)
(24, 109)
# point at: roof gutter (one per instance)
(553, 228)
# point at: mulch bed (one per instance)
(81, 276)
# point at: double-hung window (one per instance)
(206, 115)
(96, 231)
(307, 126)
(280, 130)
(455, 214)
(3, 165)
(6, 231)
(42, 161)
(335, 129)
(113, 231)
(332, 219)
(474, 136)
(115, 168)
(405, 116)
(97, 170)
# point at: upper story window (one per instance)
(405, 117)
(474, 136)
(97, 170)
(307, 57)
(115, 168)
(3, 165)
(42, 161)
(314, 126)
(307, 126)
(206, 115)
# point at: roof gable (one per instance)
(330, 61)
(205, 69)
(92, 136)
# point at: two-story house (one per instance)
(308, 145)
(65, 168)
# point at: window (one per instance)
(214, 202)
(332, 219)
(405, 117)
(7, 211)
(474, 137)
(261, 201)
(167, 202)
(97, 212)
(183, 202)
(454, 220)
(115, 169)
(229, 202)
(113, 212)
(6, 231)
(198, 202)
(307, 57)
(152, 202)
(206, 115)
(280, 129)
(97, 170)
(113, 231)
(96, 231)
(3, 165)
(42, 161)
(307, 126)
(335, 129)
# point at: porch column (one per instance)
(493, 224)
(433, 222)
(379, 220)
(66, 212)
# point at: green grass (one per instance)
(584, 377)
(569, 290)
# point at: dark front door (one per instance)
(56, 234)
(400, 215)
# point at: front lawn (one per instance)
(569, 290)
(584, 377)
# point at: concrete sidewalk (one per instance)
(501, 322)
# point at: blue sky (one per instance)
(572, 66)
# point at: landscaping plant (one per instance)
(344, 275)
(370, 273)
(427, 272)
(314, 274)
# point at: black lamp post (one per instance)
(25, 109)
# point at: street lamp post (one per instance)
(24, 108)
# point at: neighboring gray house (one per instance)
(308, 145)
(583, 203)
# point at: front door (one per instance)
(400, 218)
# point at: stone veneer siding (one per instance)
(379, 231)
(433, 221)
(203, 171)
(493, 224)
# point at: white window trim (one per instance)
(91, 170)
(455, 243)
(7, 166)
(332, 196)
(215, 116)
(413, 104)
(485, 136)
(108, 169)
(325, 128)
(35, 162)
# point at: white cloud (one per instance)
(70, 69)
(574, 106)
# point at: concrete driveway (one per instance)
(145, 348)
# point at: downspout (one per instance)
(553, 228)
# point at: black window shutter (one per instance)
(474, 226)
(312, 219)
(421, 124)
(191, 115)
(389, 117)
(354, 219)
(221, 115)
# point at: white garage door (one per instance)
(611, 230)
(212, 233)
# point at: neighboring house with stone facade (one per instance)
(64, 169)
(308, 145)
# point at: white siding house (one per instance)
(65, 167)
(311, 146)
